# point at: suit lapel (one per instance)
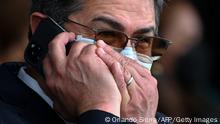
(31, 106)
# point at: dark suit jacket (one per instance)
(21, 105)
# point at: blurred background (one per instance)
(14, 23)
(188, 81)
(187, 74)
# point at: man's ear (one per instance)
(35, 19)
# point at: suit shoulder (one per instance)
(12, 66)
(9, 114)
(10, 69)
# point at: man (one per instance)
(92, 81)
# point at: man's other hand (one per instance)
(140, 97)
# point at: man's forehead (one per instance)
(135, 9)
(132, 4)
(130, 14)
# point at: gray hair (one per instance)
(158, 5)
(61, 9)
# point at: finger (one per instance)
(122, 59)
(87, 62)
(109, 60)
(76, 49)
(132, 86)
(57, 51)
(87, 54)
(108, 50)
(118, 75)
(106, 58)
(73, 57)
(139, 80)
(89, 49)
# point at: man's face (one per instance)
(133, 17)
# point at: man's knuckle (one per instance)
(59, 71)
(88, 50)
(83, 59)
(69, 64)
(52, 44)
(153, 80)
(50, 83)
(91, 49)
(124, 63)
(57, 87)
(153, 90)
(75, 45)
(92, 46)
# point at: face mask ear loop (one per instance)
(155, 58)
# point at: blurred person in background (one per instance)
(198, 70)
(14, 21)
(181, 23)
(190, 66)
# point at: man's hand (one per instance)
(140, 98)
(80, 81)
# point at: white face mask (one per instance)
(141, 59)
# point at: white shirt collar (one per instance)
(33, 84)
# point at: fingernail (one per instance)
(71, 33)
(72, 36)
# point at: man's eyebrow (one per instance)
(145, 30)
(114, 24)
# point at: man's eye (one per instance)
(144, 38)
(139, 37)
(108, 34)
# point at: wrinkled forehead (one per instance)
(124, 4)
(131, 8)
(130, 13)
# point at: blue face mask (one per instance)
(141, 59)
